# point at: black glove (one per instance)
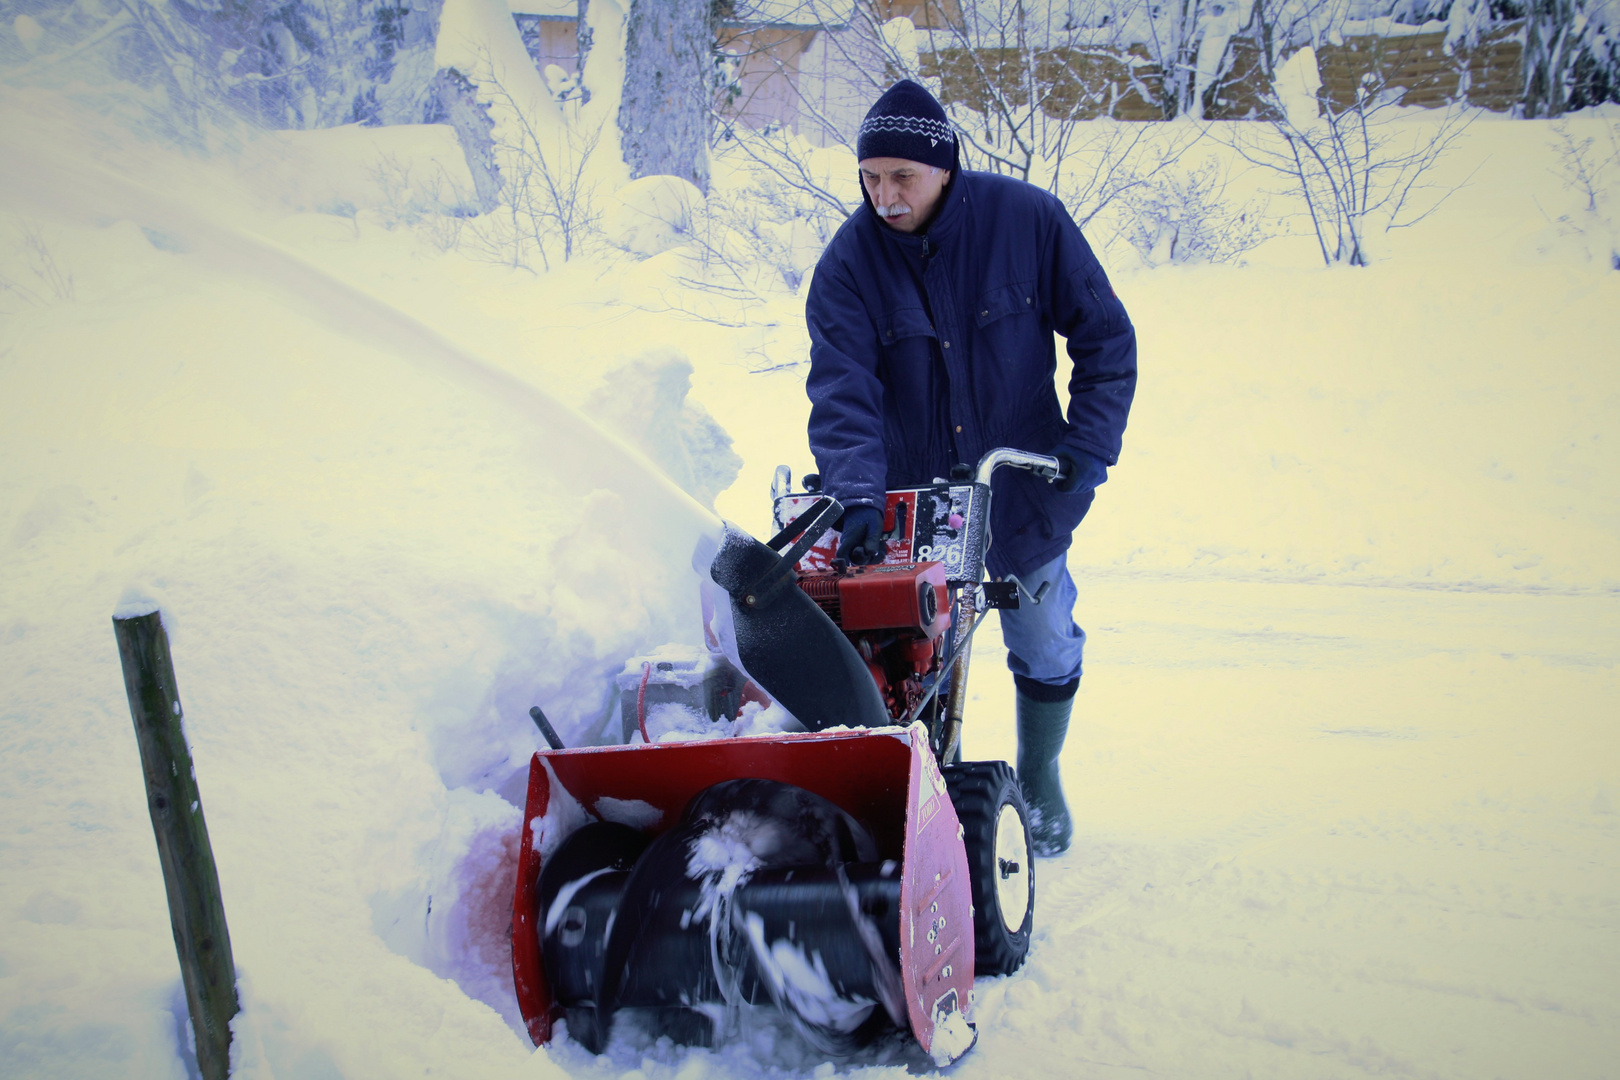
(1078, 470)
(860, 536)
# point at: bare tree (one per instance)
(1019, 82)
(1353, 166)
(1015, 76)
(1109, 164)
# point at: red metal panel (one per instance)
(528, 976)
(936, 901)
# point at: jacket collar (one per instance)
(946, 223)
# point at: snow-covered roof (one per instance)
(546, 9)
(800, 13)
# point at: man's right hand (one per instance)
(860, 536)
(1078, 470)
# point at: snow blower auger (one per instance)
(854, 877)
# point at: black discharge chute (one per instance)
(786, 643)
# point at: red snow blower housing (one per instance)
(854, 879)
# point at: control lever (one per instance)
(1034, 597)
(899, 530)
(547, 732)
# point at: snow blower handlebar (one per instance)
(1045, 466)
(948, 732)
(1042, 465)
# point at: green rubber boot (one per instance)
(1043, 721)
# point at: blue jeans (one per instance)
(1043, 642)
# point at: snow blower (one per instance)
(855, 877)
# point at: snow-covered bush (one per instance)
(1183, 216)
(650, 216)
(29, 271)
(1356, 170)
(1107, 164)
(548, 202)
(1590, 167)
(422, 197)
(766, 229)
(773, 204)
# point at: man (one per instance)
(931, 319)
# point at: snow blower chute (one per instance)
(856, 876)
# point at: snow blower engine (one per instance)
(854, 877)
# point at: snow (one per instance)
(652, 215)
(28, 30)
(723, 857)
(565, 894)
(1343, 765)
(138, 600)
(802, 982)
(632, 812)
(1298, 80)
(953, 1037)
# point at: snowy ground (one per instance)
(1344, 761)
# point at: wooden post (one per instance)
(196, 913)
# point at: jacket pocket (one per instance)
(1103, 309)
(906, 322)
(998, 303)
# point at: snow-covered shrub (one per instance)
(1590, 167)
(1183, 216)
(1356, 169)
(774, 203)
(1106, 164)
(29, 270)
(650, 216)
(548, 208)
(422, 198)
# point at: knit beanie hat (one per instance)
(907, 123)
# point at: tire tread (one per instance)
(978, 790)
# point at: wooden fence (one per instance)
(1072, 84)
(1488, 75)
(1088, 83)
(1091, 82)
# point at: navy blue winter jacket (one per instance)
(929, 350)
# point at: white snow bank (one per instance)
(651, 215)
(382, 550)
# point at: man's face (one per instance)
(904, 193)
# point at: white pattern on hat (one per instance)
(932, 130)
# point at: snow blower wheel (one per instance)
(995, 831)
